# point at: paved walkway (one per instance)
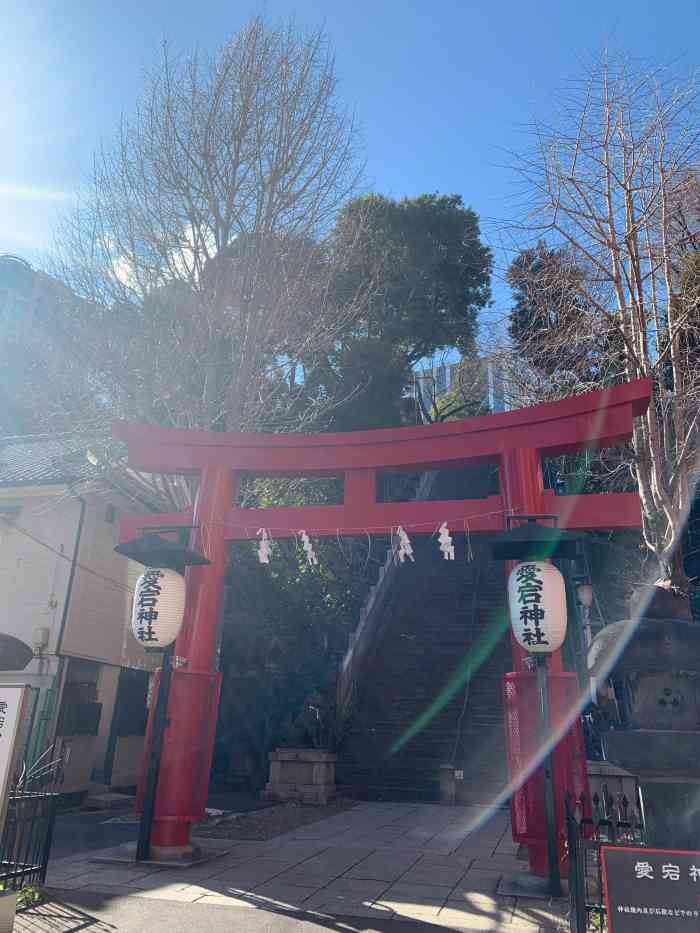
(378, 862)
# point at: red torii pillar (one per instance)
(188, 742)
(516, 440)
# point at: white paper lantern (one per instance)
(159, 605)
(537, 601)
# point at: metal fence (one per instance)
(608, 820)
(26, 839)
(25, 843)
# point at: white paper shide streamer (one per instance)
(265, 546)
(308, 547)
(405, 548)
(446, 545)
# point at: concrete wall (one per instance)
(107, 684)
(127, 761)
(100, 606)
(79, 750)
(33, 577)
(35, 564)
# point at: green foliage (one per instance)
(285, 629)
(28, 896)
(553, 326)
(468, 397)
(368, 376)
(426, 275)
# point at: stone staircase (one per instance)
(428, 619)
(372, 616)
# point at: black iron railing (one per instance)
(27, 833)
(26, 839)
(609, 820)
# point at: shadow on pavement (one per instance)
(88, 830)
(98, 913)
(54, 916)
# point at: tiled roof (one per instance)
(39, 460)
(62, 459)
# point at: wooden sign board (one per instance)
(651, 890)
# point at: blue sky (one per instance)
(441, 88)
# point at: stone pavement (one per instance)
(383, 862)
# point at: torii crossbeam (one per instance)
(515, 441)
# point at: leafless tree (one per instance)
(199, 252)
(605, 183)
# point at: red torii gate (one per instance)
(516, 441)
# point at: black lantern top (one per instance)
(534, 541)
(154, 551)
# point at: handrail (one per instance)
(369, 613)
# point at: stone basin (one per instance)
(647, 645)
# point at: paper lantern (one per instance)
(159, 605)
(537, 601)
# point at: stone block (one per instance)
(303, 774)
(345, 896)
(250, 874)
(443, 872)
(383, 866)
(479, 881)
(548, 915)
(470, 920)
(447, 785)
(279, 892)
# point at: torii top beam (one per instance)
(593, 420)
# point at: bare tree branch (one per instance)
(609, 186)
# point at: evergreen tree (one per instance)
(553, 324)
(426, 274)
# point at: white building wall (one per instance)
(100, 606)
(34, 570)
(36, 552)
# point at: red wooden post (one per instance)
(194, 693)
(522, 488)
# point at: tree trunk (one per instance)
(673, 570)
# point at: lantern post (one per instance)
(143, 844)
(156, 621)
(537, 604)
(549, 803)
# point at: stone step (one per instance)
(108, 800)
(430, 621)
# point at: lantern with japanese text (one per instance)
(537, 600)
(159, 605)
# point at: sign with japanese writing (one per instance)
(651, 889)
(159, 604)
(13, 698)
(537, 600)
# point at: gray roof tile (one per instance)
(38, 460)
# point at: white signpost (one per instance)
(13, 703)
(13, 698)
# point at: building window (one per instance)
(80, 712)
